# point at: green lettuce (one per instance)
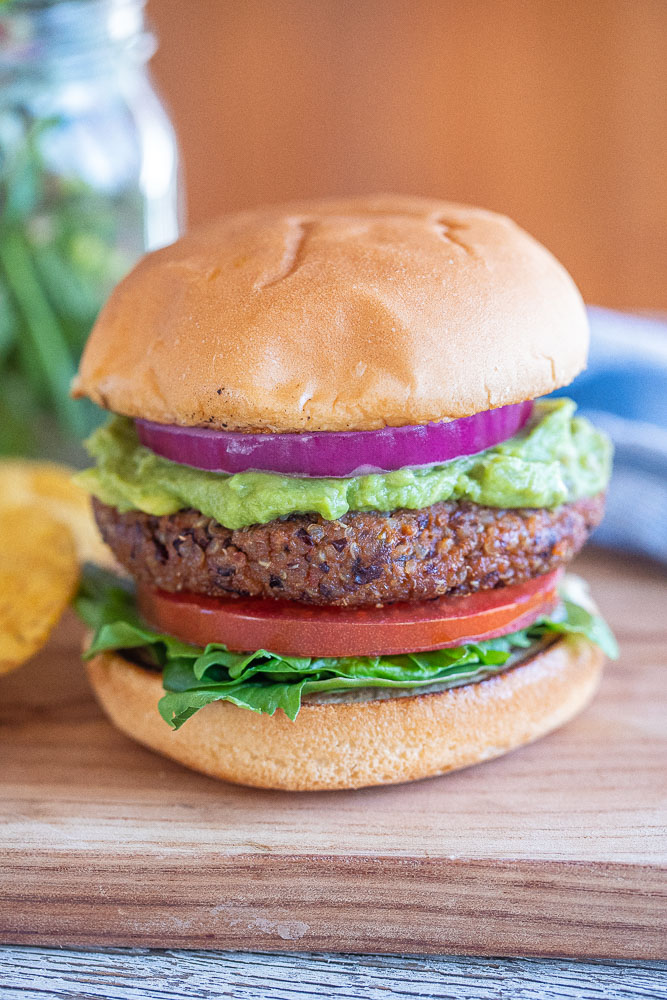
(262, 681)
(555, 459)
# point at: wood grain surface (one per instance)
(556, 849)
(43, 974)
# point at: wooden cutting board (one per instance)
(558, 848)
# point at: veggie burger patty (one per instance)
(359, 559)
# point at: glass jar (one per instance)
(88, 182)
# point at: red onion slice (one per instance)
(335, 454)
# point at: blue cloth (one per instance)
(624, 392)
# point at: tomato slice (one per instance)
(293, 629)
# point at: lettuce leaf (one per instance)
(262, 681)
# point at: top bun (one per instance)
(349, 314)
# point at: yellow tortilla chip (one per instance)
(50, 487)
(39, 570)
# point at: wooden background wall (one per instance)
(554, 111)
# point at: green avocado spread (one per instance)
(556, 458)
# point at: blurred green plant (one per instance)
(58, 263)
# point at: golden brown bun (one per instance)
(356, 743)
(337, 315)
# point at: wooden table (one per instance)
(47, 974)
(567, 836)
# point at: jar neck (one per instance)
(71, 39)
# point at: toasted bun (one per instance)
(337, 315)
(350, 744)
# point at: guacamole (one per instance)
(556, 458)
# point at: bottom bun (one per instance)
(350, 744)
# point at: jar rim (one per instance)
(71, 36)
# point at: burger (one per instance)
(341, 512)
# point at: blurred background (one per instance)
(553, 111)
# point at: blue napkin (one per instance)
(624, 392)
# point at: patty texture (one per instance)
(361, 559)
